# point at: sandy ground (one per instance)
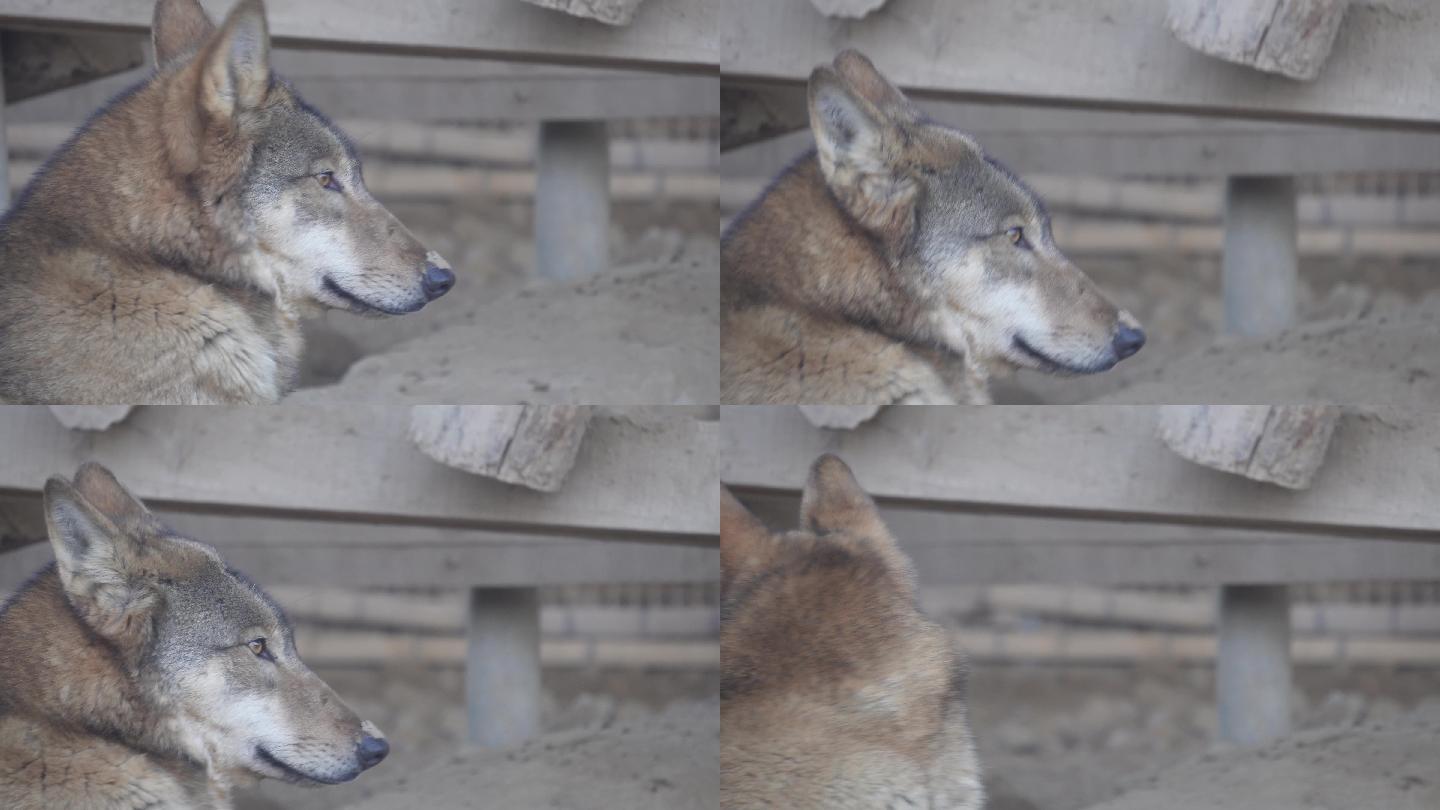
(1369, 332)
(646, 332)
(1067, 738)
(668, 761)
(1394, 765)
(660, 724)
(1049, 738)
(642, 334)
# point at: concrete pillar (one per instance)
(502, 666)
(4, 154)
(1252, 672)
(1260, 269)
(1260, 275)
(572, 200)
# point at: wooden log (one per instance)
(531, 445)
(611, 12)
(1280, 444)
(90, 417)
(1289, 37)
(848, 9)
(839, 417)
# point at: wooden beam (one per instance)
(419, 89)
(39, 63)
(1095, 142)
(1101, 463)
(676, 35)
(424, 566)
(650, 481)
(1381, 69)
(962, 548)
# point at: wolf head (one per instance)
(276, 175)
(214, 655)
(962, 232)
(835, 691)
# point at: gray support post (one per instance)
(1260, 269)
(502, 666)
(4, 153)
(572, 200)
(1252, 671)
(1260, 275)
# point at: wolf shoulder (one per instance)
(52, 769)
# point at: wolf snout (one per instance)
(1127, 341)
(371, 750)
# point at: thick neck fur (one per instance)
(146, 182)
(56, 670)
(830, 267)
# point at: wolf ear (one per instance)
(858, 146)
(834, 502)
(98, 564)
(865, 81)
(178, 29)
(745, 544)
(236, 75)
(104, 492)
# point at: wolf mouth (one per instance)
(1050, 364)
(296, 775)
(360, 304)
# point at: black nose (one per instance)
(371, 750)
(438, 281)
(1128, 341)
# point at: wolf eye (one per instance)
(258, 647)
(327, 180)
(1017, 237)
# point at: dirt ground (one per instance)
(1050, 738)
(1369, 332)
(1393, 765)
(638, 739)
(645, 332)
(1066, 738)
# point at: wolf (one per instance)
(167, 252)
(835, 691)
(139, 671)
(897, 262)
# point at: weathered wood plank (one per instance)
(962, 548)
(1085, 54)
(674, 35)
(441, 566)
(37, 63)
(648, 477)
(1097, 463)
(1092, 142)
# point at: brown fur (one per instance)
(877, 269)
(835, 691)
(99, 710)
(130, 272)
